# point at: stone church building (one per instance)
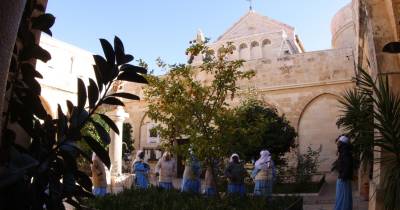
(304, 86)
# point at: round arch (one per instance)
(317, 128)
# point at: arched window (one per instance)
(266, 42)
(255, 51)
(243, 51)
(265, 47)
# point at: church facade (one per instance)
(304, 86)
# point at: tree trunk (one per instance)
(10, 17)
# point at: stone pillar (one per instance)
(10, 17)
(115, 149)
(116, 180)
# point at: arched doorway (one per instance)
(317, 128)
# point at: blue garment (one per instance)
(141, 171)
(238, 189)
(210, 191)
(263, 188)
(344, 200)
(166, 185)
(191, 185)
(99, 191)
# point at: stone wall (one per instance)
(60, 74)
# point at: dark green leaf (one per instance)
(43, 22)
(35, 52)
(81, 94)
(126, 95)
(99, 150)
(83, 180)
(132, 77)
(112, 101)
(392, 47)
(108, 51)
(104, 135)
(129, 67)
(38, 108)
(119, 51)
(93, 93)
(99, 80)
(70, 107)
(128, 58)
(104, 67)
(110, 123)
(29, 71)
(61, 123)
(33, 85)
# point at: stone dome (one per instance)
(342, 28)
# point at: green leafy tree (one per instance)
(185, 107)
(357, 121)
(127, 138)
(255, 126)
(386, 115)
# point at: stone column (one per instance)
(115, 149)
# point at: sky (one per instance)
(163, 28)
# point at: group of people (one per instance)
(263, 174)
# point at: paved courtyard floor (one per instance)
(326, 199)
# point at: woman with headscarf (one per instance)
(236, 174)
(344, 199)
(191, 175)
(98, 176)
(263, 175)
(166, 170)
(141, 171)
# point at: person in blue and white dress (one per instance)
(166, 171)
(141, 171)
(264, 175)
(344, 197)
(191, 175)
(99, 177)
(235, 172)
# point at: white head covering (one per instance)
(233, 155)
(344, 139)
(264, 161)
(94, 156)
(165, 154)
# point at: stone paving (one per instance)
(326, 199)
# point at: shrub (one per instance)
(166, 200)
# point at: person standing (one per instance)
(99, 177)
(209, 182)
(264, 175)
(141, 170)
(191, 175)
(344, 199)
(235, 172)
(166, 171)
